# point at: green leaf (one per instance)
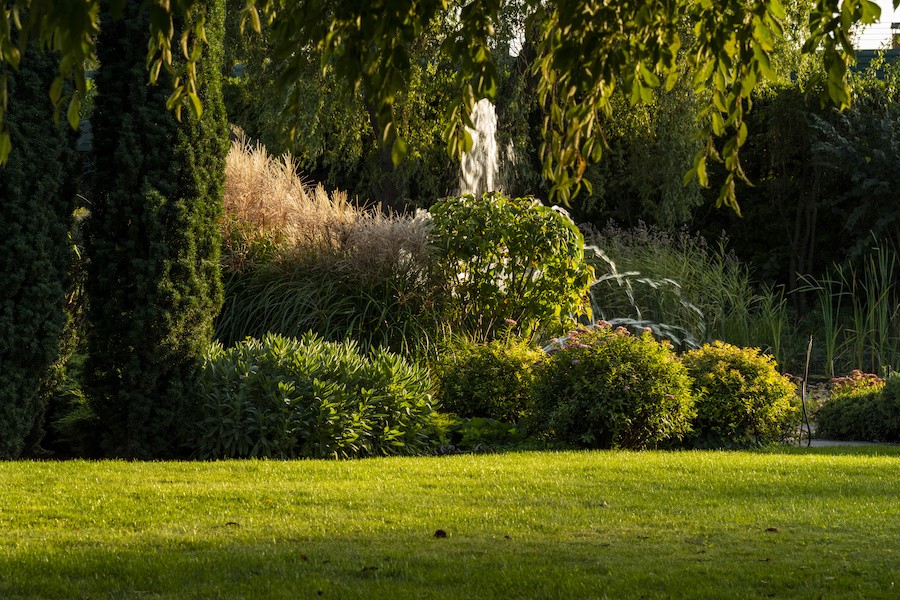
(635, 91)
(176, 95)
(73, 115)
(196, 105)
(10, 53)
(398, 151)
(672, 80)
(253, 14)
(762, 59)
(742, 134)
(154, 71)
(718, 124)
(200, 29)
(56, 90)
(5, 147)
(701, 172)
(777, 9)
(649, 76)
(871, 12)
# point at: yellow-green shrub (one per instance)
(487, 380)
(742, 400)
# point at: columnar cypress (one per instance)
(153, 279)
(35, 209)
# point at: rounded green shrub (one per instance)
(861, 407)
(601, 387)
(487, 380)
(853, 415)
(742, 400)
(889, 407)
(284, 398)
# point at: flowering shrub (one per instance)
(487, 380)
(855, 382)
(601, 387)
(742, 400)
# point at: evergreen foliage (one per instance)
(37, 205)
(153, 280)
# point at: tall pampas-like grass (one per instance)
(299, 259)
(268, 204)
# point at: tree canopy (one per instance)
(587, 49)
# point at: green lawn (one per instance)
(810, 523)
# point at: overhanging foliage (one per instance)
(587, 49)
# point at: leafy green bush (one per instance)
(487, 380)
(606, 388)
(861, 407)
(284, 398)
(742, 400)
(510, 258)
(853, 415)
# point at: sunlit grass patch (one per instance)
(796, 523)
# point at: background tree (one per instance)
(650, 147)
(861, 146)
(825, 180)
(37, 200)
(153, 245)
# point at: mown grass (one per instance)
(794, 523)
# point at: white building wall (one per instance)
(878, 35)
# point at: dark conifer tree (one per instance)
(36, 202)
(153, 282)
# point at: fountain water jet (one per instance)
(480, 166)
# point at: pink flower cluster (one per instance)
(587, 337)
(857, 380)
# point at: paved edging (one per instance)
(823, 443)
